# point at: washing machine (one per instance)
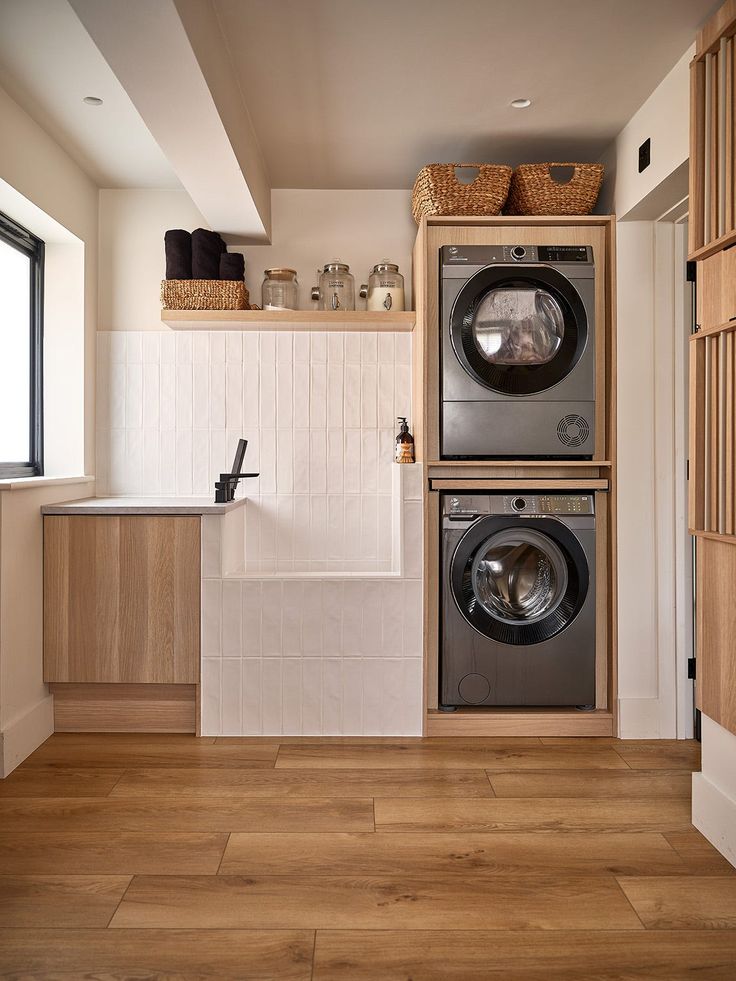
(518, 600)
(517, 352)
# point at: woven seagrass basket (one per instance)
(437, 191)
(536, 191)
(204, 294)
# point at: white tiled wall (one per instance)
(321, 655)
(319, 412)
(319, 631)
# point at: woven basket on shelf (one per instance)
(437, 191)
(204, 294)
(535, 191)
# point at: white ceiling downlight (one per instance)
(92, 100)
(521, 103)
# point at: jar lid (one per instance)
(336, 265)
(280, 273)
(385, 266)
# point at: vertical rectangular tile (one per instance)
(311, 693)
(352, 617)
(272, 695)
(234, 396)
(251, 719)
(412, 618)
(211, 617)
(352, 405)
(352, 697)
(284, 395)
(211, 697)
(151, 418)
(201, 461)
(211, 558)
(251, 595)
(312, 618)
(271, 604)
(234, 347)
(217, 347)
(291, 715)
(318, 396)
(369, 461)
(370, 634)
(318, 527)
(332, 696)
(392, 618)
(118, 387)
(151, 480)
(317, 461)
(351, 462)
(332, 607)
(217, 395)
(167, 406)
(291, 617)
(231, 618)
(167, 340)
(231, 711)
(335, 460)
(369, 396)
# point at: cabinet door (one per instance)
(716, 290)
(716, 631)
(121, 599)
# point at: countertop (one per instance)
(142, 505)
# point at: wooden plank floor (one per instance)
(130, 857)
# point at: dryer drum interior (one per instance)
(519, 583)
(518, 335)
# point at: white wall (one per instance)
(44, 189)
(664, 118)
(309, 227)
(647, 656)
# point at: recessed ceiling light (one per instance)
(521, 103)
(92, 100)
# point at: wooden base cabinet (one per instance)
(122, 604)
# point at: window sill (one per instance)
(27, 483)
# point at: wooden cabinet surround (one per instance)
(122, 599)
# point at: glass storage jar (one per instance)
(336, 290)
(280, 290)
(385, 287)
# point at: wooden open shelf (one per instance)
(323, 320)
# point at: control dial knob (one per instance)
(518, 252)
(518, 504)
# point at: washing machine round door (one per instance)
(519, 581)
(518, 331)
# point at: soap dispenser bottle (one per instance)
(404, 443)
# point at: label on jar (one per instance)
(385, 298)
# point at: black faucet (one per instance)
(225, 486)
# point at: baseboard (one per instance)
(513, 722)
(714, 815)
(638, 718)
(124, 708)
(25, 734)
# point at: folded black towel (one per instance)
(232, 265)
(178, 246)
(206, 250)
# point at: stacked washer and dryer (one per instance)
(518, 377)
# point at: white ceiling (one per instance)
(48, 64)
(362, 93)
(357, 93)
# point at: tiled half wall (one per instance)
(318, 630)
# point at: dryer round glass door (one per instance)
(519, 581)
(520, 331)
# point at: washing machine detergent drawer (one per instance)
(518, 429)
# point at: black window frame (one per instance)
(26, 242)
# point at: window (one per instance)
(21, 355)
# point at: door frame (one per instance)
(674, 553)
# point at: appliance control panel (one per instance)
(483, 255)
(462, 506)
